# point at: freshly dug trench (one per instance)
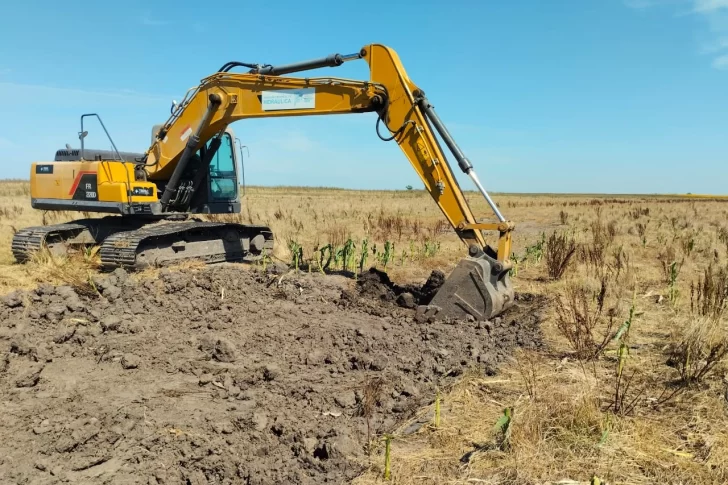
(224, 375)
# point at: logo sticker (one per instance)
(44, 169)
(289, 99)
(143, 191)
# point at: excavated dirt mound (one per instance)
(223, 375)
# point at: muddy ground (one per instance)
(224, 375)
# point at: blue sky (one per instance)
(614, 96)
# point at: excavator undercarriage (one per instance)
(135, 244)
(191, 169)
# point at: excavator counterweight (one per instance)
(190, 168)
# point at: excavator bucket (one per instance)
(479, 285)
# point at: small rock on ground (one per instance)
(130, 361)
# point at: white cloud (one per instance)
(705, 6)
(714, 45)
(714, 13)
(150, 21)
(721, 62)
(5, 143)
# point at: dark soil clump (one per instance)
(377, 284)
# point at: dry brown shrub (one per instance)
(564, 217)
(612, 231)
(603, 234)
(709, 296)
(723, 236)
(560, 249)
(594, 256)
(581, 317)
(698, 347)
(620, 263)
(371, 395)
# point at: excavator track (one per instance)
(31, 239)
(172, 242)
(134, 244)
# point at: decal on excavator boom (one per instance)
(304, 98)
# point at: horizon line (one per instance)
(687, 195)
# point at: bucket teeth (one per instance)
(479, 286)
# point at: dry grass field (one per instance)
(631, 385)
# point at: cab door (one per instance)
(223, 176)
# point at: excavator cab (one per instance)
(219, 192)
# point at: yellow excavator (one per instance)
(190, 168)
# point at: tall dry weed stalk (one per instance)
(642, 232)
(687, 243)
(667, 257)
(527, 364)
(371, 394)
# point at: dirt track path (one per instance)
(220, 377)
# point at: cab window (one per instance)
(223, 178)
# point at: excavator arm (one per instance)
(480, 284)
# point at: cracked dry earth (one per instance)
(223, 375)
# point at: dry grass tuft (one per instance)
(75, 269)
